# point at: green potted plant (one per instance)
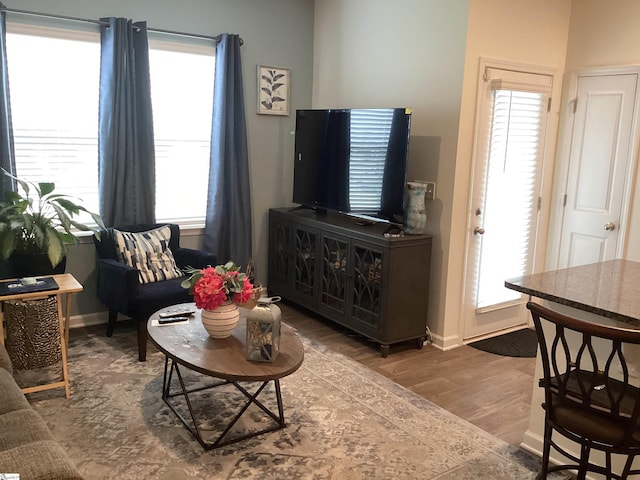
(36, 228)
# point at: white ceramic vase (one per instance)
(220, 322)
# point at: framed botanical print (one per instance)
(273, 90)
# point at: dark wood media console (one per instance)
(352, 274)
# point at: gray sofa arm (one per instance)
(27, 446)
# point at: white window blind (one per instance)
(514, 150)
(54, 77)
(182, 77)
(370, 132)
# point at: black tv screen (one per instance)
(352, 160)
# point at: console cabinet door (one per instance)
(280, 257)
(306, 259)
(334, 277)
(366, 294)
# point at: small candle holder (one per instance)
(263, 330)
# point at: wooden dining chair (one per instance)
(589, 395)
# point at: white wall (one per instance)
(275, 32)
(377, 53)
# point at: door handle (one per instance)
(610, 227)
(478, 231)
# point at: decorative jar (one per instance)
(220, 322)
(263, 330)
(415, 221)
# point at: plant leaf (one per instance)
(63, 217)
(12, 196)
(39, 235)
(46, 188)
(56, 250)
(232, 267)
(23, 184)
(7, 243)
(71, 207)
(98, 219)
(278, 76)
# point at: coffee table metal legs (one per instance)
(192, 426)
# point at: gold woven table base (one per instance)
(33, 333)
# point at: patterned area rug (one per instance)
(344, 422)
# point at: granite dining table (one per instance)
(606, 292)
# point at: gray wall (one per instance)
(275, 32)
(377, 53)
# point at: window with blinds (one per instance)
(370, 132)
(182, 77)
(511, 190)
(54, 77)
(54, 104)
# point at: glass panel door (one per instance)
(506, 196)
(511, 198)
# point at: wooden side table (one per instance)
(68, 285)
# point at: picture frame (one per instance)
(274, 85)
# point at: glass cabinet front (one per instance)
(334, 273)
(305, 262)
(367, 280)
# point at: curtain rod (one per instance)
(98, 22)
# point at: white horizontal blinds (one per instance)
(370, 132)
(182, 99)
(516, 135)
(54, 102)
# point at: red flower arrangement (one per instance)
(213, 286)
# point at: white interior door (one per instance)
(601, 152)
(505, 201)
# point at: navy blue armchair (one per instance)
(119, 286)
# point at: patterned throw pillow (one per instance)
(149, 252)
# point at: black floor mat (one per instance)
(521, 343)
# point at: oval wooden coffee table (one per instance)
(189, 346)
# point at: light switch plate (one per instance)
(431, 190)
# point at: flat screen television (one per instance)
(352, 161)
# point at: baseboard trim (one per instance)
(532, 442)
(88, 320)
(496, 333)
(445, 343)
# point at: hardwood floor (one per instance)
(491, 391)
